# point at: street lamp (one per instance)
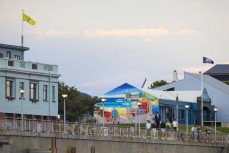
(177, 99)
(215, 110)
(103, 100)
(136, 109)
(187, 107)
(139, 111)
(64, 96)
(22, 91)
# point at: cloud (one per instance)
(141, 32)
(53, 33)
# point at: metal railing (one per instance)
(110, 131)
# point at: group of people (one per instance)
(157, 124)
(196, 133)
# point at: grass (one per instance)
(223, 130)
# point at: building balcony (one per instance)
(27, 66)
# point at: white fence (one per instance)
(109, 130)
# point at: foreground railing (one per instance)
(109, 130)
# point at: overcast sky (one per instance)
(100, 44)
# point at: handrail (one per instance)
(226, 147)
(109, 130)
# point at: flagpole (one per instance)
(22, 38)
(202, 84)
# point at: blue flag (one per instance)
(207, 60)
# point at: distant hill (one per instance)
(84, 94)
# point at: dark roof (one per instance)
(218, 69)
(14, 47)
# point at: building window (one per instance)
(1, 55)
(10, 63)
(53, 94)
(170, 89)
(34, 66)
(21, 87)
(8, 54)
(34, 91)
(9, 115)
(45, 92)
(10, 88)
(17, 57)
(181, 114)
(22, 64)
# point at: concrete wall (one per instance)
(63, 143)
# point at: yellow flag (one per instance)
(28, 19)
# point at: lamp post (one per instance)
(103, 100)
(139, 111)
(64, 96)
(22, 91)
(177, 108)
(136, 109)
(187, 107)
(215, 110)
(58, 117)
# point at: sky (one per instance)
(99, 45)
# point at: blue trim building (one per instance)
(39, 80)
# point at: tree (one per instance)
(76, 104)
(227, 82)
(157, 84)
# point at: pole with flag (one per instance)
(209, 61)
(28, 20)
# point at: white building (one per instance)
(217, 91)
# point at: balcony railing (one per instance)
(110, 131)
(28, 66)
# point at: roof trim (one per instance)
(14, 47)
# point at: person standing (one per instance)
(194, 132)
(148, 127)
(175, 124)
(157, 119)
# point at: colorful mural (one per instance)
(121, 105)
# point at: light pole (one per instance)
(139, 111)
(103, 100)
(136, 109)
(177, 108)
(58, 117)
(215, 110)
(64, 96)
(22, 91)
(187, 107)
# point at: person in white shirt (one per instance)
(148, 127)
(175, 124)
(194, 132)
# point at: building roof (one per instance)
(212, 81)
(123, 89)
(185, 96)
(14, 47)
(218, 69)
